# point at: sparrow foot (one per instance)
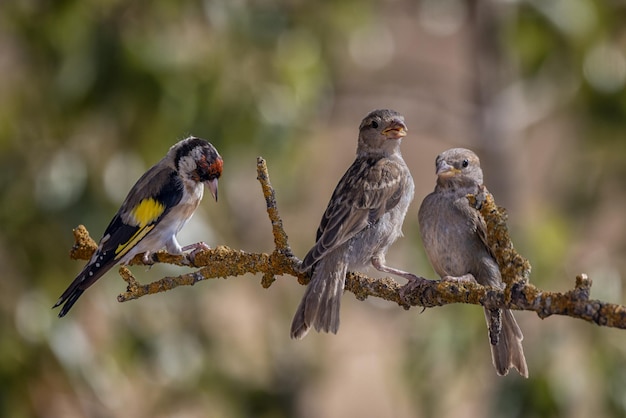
(414, 282)
(466, 278)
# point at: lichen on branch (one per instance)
(224, 262)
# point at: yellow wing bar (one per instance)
(122, 249)
(144, 215)
(147, 211)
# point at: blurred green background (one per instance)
(93, 93)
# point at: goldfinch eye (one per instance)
(374, 124)
(465, 163)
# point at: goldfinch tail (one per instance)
(90, 274)
(69, 297)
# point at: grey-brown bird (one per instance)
(363, 218)
(155, 210)
(455, 239)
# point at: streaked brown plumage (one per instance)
(363, 218)
(455, 240)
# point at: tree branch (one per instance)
(225, 262)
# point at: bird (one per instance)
(154, 211)
(454, 235)
(363, 218)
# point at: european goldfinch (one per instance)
(155, 210)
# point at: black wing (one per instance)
(135, 219)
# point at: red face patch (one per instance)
(216, 167)
(205, 171)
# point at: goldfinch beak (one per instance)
(212, 185)
(446, 170)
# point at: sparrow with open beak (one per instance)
(363, 218)
(155, 210)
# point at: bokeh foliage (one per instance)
(92, 93)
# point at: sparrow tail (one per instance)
(321, 302)
(508, 352)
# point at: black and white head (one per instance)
(458, 167)
(381, 131)
(196, 160)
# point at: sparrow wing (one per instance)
(473, 216)
(481, 225)
(369, 189)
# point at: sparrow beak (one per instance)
(212, 185)
(445, 170)
(396, 129)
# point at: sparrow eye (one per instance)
(374, 124)
(465, 163)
